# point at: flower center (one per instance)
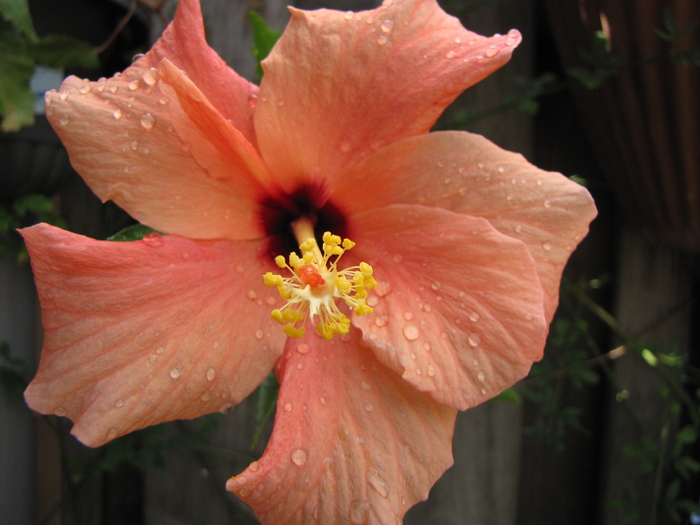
(316, 283)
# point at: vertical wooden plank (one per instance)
(654, 292)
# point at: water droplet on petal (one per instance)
(546, 245)
(364, 385)
(206, 396)
(382, 40)
(431, 371)
(254, 466)
(547, 203)
(152, 239)
(323, 400)
(119, 403)
(386, 26)
(60, 411)
(64, 120)
(86, 89)
(148, 121)
(259, 334)
(175, 373)
(378, 483)
(211, 374)
(450, 54)
(149, 76)
(492, 51)
(133, 85)
(288, 407)
(369, 407)
(474, 339)
(118, 114)
(435, 285)
(112, 433)
(481, 376)
(411, 332)
(359, 511)
(349, 15)
(299, 457)
(303, 348)
(474, 316)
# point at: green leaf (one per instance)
(509, 396)
(135, 232)
(687, 435)
(62, 51)
(16, 70)
(33, 203)
(17, 13)
(649, 357)
(264, 39)
(267, 400)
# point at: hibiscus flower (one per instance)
(465, 242)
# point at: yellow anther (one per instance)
(316, 283)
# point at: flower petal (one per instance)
(402, 63)
(142, 332)
(352, 442)
(183, 43)
(458, 309)
(147, 149)
(468, 174)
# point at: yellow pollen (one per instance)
(316, 283)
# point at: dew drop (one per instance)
(431, 371)
(380, 321)
(474, 317)
(369, 407)
(547, 203)
(163, 101)
(397, 258)
(382, 40)
(149, 76)
(378, 483)
(133, 85)
(546, 245)
(259, 334)
(64, 95)
(175, 373)
(481, 376)
(215, 345)
(303, 348)
(492, 51)
(473, 339)
(206, 396)
(251, 294)
(408, 316)
(148, 121)
(372, 300)
(323, 400)
(450, 54)
(112, 433)
(64, 120)
(153, 358)
(411, 332)
(299, 457)
(387, 26)
(118, 114)
(359, 511)
(349, 15)
(211, 374)
(383, 288)
(60, 411)
(152, 239)
(288, 407)
(518, 228)
(135, 145)
(119, 403)
(364, 385)
(435, 285)
(254, 466)
(86, 89)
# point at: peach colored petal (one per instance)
(458, 309)
(468, 174)
(183, 43)
(352, 442)
(346, 84)
(148, 331)
(140, 147)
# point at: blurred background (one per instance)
(605, 428)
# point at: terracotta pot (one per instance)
(644, 122)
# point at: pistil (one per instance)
(316, 283)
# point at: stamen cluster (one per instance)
(315, 284)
